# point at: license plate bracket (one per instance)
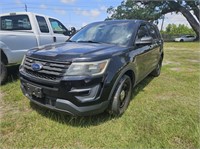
(34, 90)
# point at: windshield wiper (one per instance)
(70, 41)
(88, 41)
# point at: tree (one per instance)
(154, 10)
(181, 29)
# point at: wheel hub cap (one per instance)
(122, 94)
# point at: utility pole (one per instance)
(25, 7)
(163, 18)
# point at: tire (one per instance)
(181, 40)
(121, 96)
(3, 73)
(157, 70)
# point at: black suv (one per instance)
(95, 70)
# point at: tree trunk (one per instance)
(195, 7)
(196, 13)
(192, 21)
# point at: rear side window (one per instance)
(15, 22)
(190, 36)
(142, 32)
(152, 31)
(42, 24)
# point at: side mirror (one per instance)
(72, 31)
(144, 40)
(66, 33)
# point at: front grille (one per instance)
(49, 70)
(40, 75)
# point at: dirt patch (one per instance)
(171, 48)
(1, 95)
(190, 70)
(170, 62)
(175, 69)
(1, 105)
(194, 61)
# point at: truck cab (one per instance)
(22, 31)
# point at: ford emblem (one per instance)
(36, 67)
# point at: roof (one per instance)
(22, 13)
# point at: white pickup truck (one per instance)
(24, 30)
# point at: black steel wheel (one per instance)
(122, 96)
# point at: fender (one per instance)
(5, 50)
(121, 73)
(12, 56)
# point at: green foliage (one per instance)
(173, 29)
(128, 10)
(152, 10)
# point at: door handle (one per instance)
(54, 39)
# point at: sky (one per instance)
(75, 13)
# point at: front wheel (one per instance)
(122, 96)
(3, 73)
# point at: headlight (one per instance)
(87, 68)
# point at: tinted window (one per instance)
(157, 32)
(42, 24)
(190, 36)
(16, 22)
(57, 26)
(152, 31)
(142, 32)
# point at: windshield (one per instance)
(112, 33)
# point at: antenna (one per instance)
(25, 7)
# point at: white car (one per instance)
(185, 38)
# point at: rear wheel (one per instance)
(181, 40)
(156, 71)
(3, 73)
(122, 96)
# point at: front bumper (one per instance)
(79, 97)
(63, 105)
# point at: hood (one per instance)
(72, 51)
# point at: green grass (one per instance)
(164, 113)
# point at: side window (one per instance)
(158, 33)
(152, 31)
(58, 27)
(142, 32)
(42, 24)
(15, 22)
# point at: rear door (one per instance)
(44, 35)
(154, 54)
(190, 38)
